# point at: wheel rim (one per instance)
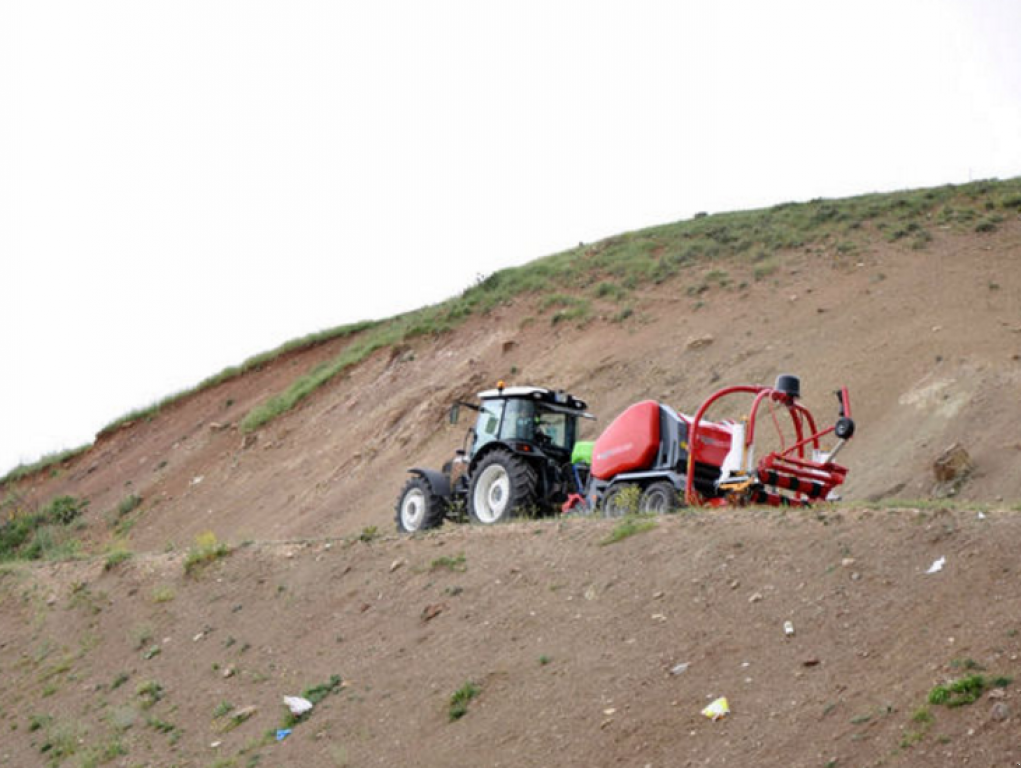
(656, 503)
(612, 506)
(413, 509)
(492, 494)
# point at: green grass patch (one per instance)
(42, 534)
(49, 461)
(958, 693)
(457, 564)
(208, 549)
(460, 699)
(119, 554)
(629, 526)
(149, 693)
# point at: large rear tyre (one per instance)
(659, 498)
(418, 507)
(501, 484)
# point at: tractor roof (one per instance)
(557, 399)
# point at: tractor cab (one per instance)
(527, 420)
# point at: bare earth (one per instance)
(574, 644)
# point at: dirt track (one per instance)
(571, 641)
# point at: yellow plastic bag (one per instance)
(716, 710)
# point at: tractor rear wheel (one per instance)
(501, 484)
(659, 498)
(418, 506)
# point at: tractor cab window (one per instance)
(519, 421)
(487, 428)
(555, 428)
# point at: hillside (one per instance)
(912, 300)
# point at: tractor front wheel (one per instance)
(501, 484)
(418, 507)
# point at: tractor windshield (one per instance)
(534, 423)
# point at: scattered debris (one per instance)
(239, 716)
(396, 564)
(937, 565)
(718, 709)
(298, 705)
(283, 733)
(788, 628)
(813, 662)
(680, 669)
(700, 342)
(197, 479)
(756, 598)
(430, 612)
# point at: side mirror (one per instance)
(455, 413)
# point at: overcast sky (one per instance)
(184, 184)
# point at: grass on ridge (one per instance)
(611, 268)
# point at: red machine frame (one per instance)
(789, 469)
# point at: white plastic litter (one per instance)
(681, 668)
(297, 705)
(718, 709)
(937, 565)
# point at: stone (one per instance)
(999, 712)
(430, 612)
(951, 469)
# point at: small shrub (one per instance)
(119, 680)
(456, 564)
(128, 505)
(150, 692)
(116, 556)
(317, 693)
(222, 709)
(207, 549)
(460, 699)
(958, 693)
(163, 594)
(369, 534)
(42, 534)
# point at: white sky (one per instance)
(184, 184)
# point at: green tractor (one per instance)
(517, 458)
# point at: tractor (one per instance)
(516, 459)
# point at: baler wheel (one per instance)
(620, 500)
(659, 498)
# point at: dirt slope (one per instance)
(929, 342)
(573, 643)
